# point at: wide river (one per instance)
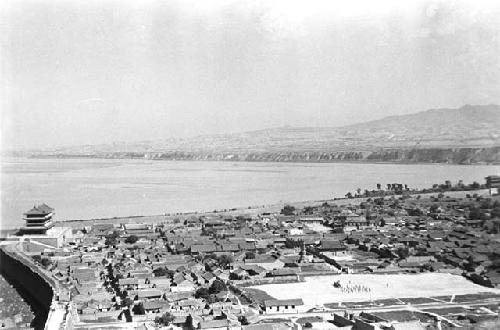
(94, 188)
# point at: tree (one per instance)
(37, 258)
(428, 267)
(348, 195)
(403, 253)
(243, 320)
(290, 243)
(139, 309)
(434, 208)
(46, 262)
(165, 319)
(308, 210)
(474, 213)
(224, 260)
(382, 222)
(112, 239)
(163, 271)
(234, 277)
(131, 239)
(496, 226)
(203, 293)
(217, 286)
(288, 210)
(189, 322)
(415, 212)
(211, 299)
(127, 302)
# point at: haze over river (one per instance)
(95, 188)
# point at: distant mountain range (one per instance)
(470, 134)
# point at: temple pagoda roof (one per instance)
(41, 209)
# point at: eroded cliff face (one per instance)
(489, 155)
(440, 155)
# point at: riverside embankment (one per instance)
(250, 211)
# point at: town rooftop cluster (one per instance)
(200, 271)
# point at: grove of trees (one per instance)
(131, 239)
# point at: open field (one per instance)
(319, 290)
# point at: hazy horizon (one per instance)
(79, 73)
(27, 149)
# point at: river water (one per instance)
(99, 188)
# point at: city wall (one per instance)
(36, 288)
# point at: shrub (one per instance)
(165, 319)
(217, 286)
(288, 210)
(131, 239)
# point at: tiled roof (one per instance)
(149, 293)
(330, 244)
(285, 302)
(203, 248)
(149, 305)
(42, 209)
(214, 324)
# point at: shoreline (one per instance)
(159, 187)
(253, 210)
(170, 216)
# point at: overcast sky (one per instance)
(87, 72)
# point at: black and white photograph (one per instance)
(250, 164)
